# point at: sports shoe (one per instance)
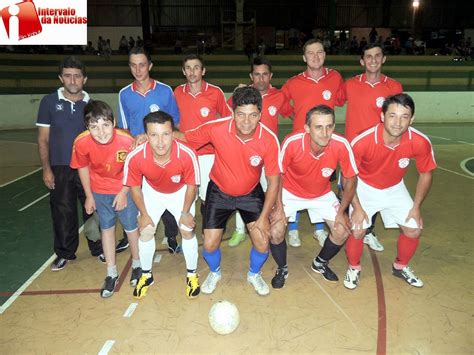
(101, 258)
(320, 235)
(408, 275)
(294, 238)
(59, 264)
(173, 246)
(371, 240)
(135, 276)
(109, 286)
(122, 245)
(351, 280)
(281, 275)
(192, 286)
(258, 283)
(237, 238)
(210, 283)
(145, 281)
(324, 270)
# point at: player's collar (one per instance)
(61, 96)
(306, 144)
(378, 135)
(256, 135)
(363, 79)
(308, 76)
(152, 87)
(204, 87)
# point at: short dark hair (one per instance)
(310, 42)
(246, 95)
(260, 60)
(193, 56)
(140, 50)
(370, 46)
(160, 117)
(404, 100)
(322, 110)
(72, 62)
(96, 110)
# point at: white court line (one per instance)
(21, 177)
(463, 166)
(7, 141)
(448, 139)
(454, 172)
(28, 282)
(157, 258)
(128, 313)
(444, 139)
(465, 142)
(165, 240)
(106, 348)
(32, 203)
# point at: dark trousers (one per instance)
(171, 227)
(63, 202)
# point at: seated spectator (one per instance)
(123, 45)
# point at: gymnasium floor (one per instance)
(46, 312)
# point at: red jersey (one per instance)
(238, 164)
(307, 93)
(381, 166)
(306, 175)
(196, 109)
(364, 102)
(181, 169)
(105, 161)
(274, 103)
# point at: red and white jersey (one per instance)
(306, 175)
(105, 161)
(306, 93)
(196, 109)
(364, 102)
(274, 103)
(181, 169)
(381, 166)
(238, 164)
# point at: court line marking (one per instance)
(381, 307)
(449, 139)
(106, 347)
(128, 313)
(32, 203)
(454, 172)
(7, 141)
(157, 258)
(21, 177)
(463, 166)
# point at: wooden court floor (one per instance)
(62, 312)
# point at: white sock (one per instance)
(146, 250)
(190, 251)
(239, 223)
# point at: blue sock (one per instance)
(293, 226)
(319, 226)
(213, 259)
(257, 260)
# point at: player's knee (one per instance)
(277, 233)
(358, 234)
(148, 233)
(339, 237)
(412, 232)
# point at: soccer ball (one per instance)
(224, 317)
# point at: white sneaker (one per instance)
(294, 238)
(320, 235)
(408, 275)
(210, 283)
(351, 280)
(371, 240)
(257, 281)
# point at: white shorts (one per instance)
(320, 208)
(393, 203)
(205, 165)
(156, 202)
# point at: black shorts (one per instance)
(219, 206)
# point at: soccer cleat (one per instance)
(109, 286)
(294, 238)
(371, 240)
(192, 286)
(351, 280)
(135, 276)
(101, 258)
(59, 264)
(210, 283)
(258, 283)
(237, 238)
(173, 246)
(281, 275)
(145, 281)
(324, 270)
(320, 235)
(408, 275)
(122, 245)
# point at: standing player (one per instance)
(274, 103)
(138, 99)
(383, 155)
(317, 85)
(163, 175)
(243, 147)
(308, 160)
(99, 155)
(365, 94)
(60, 120)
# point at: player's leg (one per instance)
(171, 232)
(238, 236)
(371, 238)
(320, 233)
(293, 234)
(278, 249)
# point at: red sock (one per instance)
(406, 249)
(354, 249)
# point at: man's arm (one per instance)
(422, 188)
(84, 175)
(350, 185)
(137, 197)
(187, 219)
(263, 223)
(43, 151)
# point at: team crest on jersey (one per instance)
(403, 163)
(176, 178)
(59, 107)
(154, 108)
(272, 110)
(255, 160)
(326, 172)
(121, 156)
(205, 111)
(327, 95)
(379, 101)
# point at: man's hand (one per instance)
(342, 221)
(187, 220)
(143, 221)
(358, 217)
(263, 226)
(48, 178)
(139, 139)
(89, 205)
(120, 201)
(277, 214)
(415, 213)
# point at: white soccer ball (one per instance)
(224, 317)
